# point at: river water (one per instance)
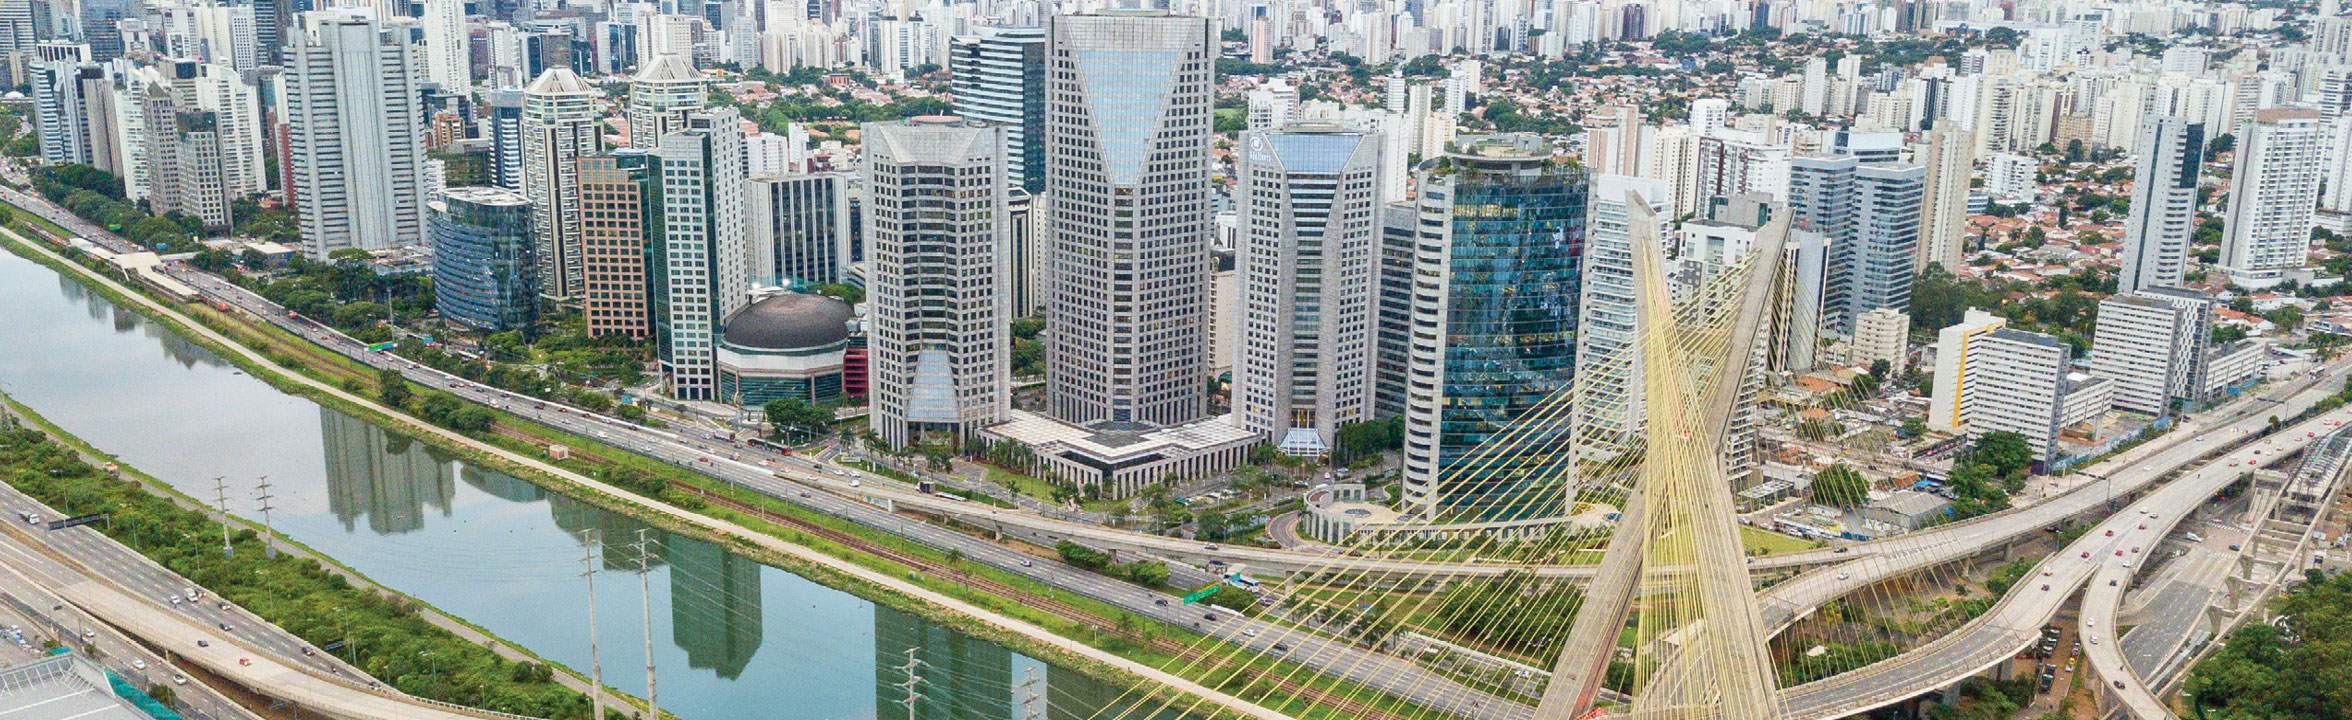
(732, 638)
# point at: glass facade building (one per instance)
(485, 273)
(1496, 278)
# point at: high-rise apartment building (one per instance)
(2163, 212)
(1499, 241)
(2152, 343)
(1308, 200)
(620, 225)
(2274, 189)
(502, 123)
(936, 226)
(101, 23)
(1128, 95)
(800, 230)
(448, 60)
(1943, 226)
(660, 95)
(562, 123)
(1887, 205)
(483, 275)
(705, 266)
(73, 113)
(1949, 398)
(998, 74)
(355, 133)
(1608, 417)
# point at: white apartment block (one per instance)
(2150, 345)
(2274, 187)
(1949, 396)
(1882, 334)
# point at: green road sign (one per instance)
(1202, 593)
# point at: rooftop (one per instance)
(64, 686)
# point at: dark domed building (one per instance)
(787, 345)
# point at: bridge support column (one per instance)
(2216, 616)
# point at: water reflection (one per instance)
(734, 639)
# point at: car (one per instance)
(1249, 632)
(308, 651)
(2046, 573)
(1026, 563)
(1211, 548)
(203, 643)
(1162, 602)
(1844, 576)
(2153, 516)
(138, 664)
(804, 493)
(1211, 617)
(854, 483)
(89, 634)
(1285, 647)
(2045, 587)
(175, 599)
(2086, 554)
(2135, 549)
(2119, 684)
(2110, 533)
(1843, 549)
(2233, 547)
(2119, 553)
(2110, 583)
(178, 679)
(244, 661)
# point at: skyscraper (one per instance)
(1309, 206)
(483, 274)
(2152, 344)
(1127, 152)
(2163, 204)
(560, 125)
(660, 96)
(1886, 240)
(998, 74)
(1608, 418)
(502, 120)
(447, 57)
(2274, 186)
(1500, 238)
(1943, 227)
(704, 271)
(71, 112)
(936, 232)
(102, 26)
(355, 133)
(800, 230)
(620, 234)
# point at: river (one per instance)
(732, 638)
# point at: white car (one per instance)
(178, 679)
(1844, 576)
(138, 664)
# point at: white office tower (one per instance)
(2274, 186)
(669, 35)
(561, 124)
(448, 54)
(355, 133)
(1127, 152)
(799, 227)
(2163, 204)
(1607, 327)
(2152, 344)
(660, 95)
(222, 91)
(936, 230)
(1308, 199)
(1943, 226)
(1949, 395)
(705, 259)
(72, 113)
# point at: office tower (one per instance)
(72, 112)
(1392, 352)
(800, 231)
(102, 26)
(484, 277)
(1609, 417)
(1127, 152)
(940, 351)
(1821, 200)
(447, 60)
(2274, 185)
(1949, 396)
(236, 109)
(355, 133)
(1943, 227)
(1886, 240)
(1023, 213)
(1499, 240)
(2163, 204)
(660, 96)
(998, 75)
(502, 123)
(561, 124)
(620, 225)
(190, 164)
(704, 270)
(1308, 198)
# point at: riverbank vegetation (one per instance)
(385, 636)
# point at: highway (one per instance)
(24, 604)
(1867, 561)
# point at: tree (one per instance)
(2008, 453)
(1841, 486)
(2287, 317)
(794, 417)
(1912, 427)
(391, 388)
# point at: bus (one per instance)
(770, 446)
